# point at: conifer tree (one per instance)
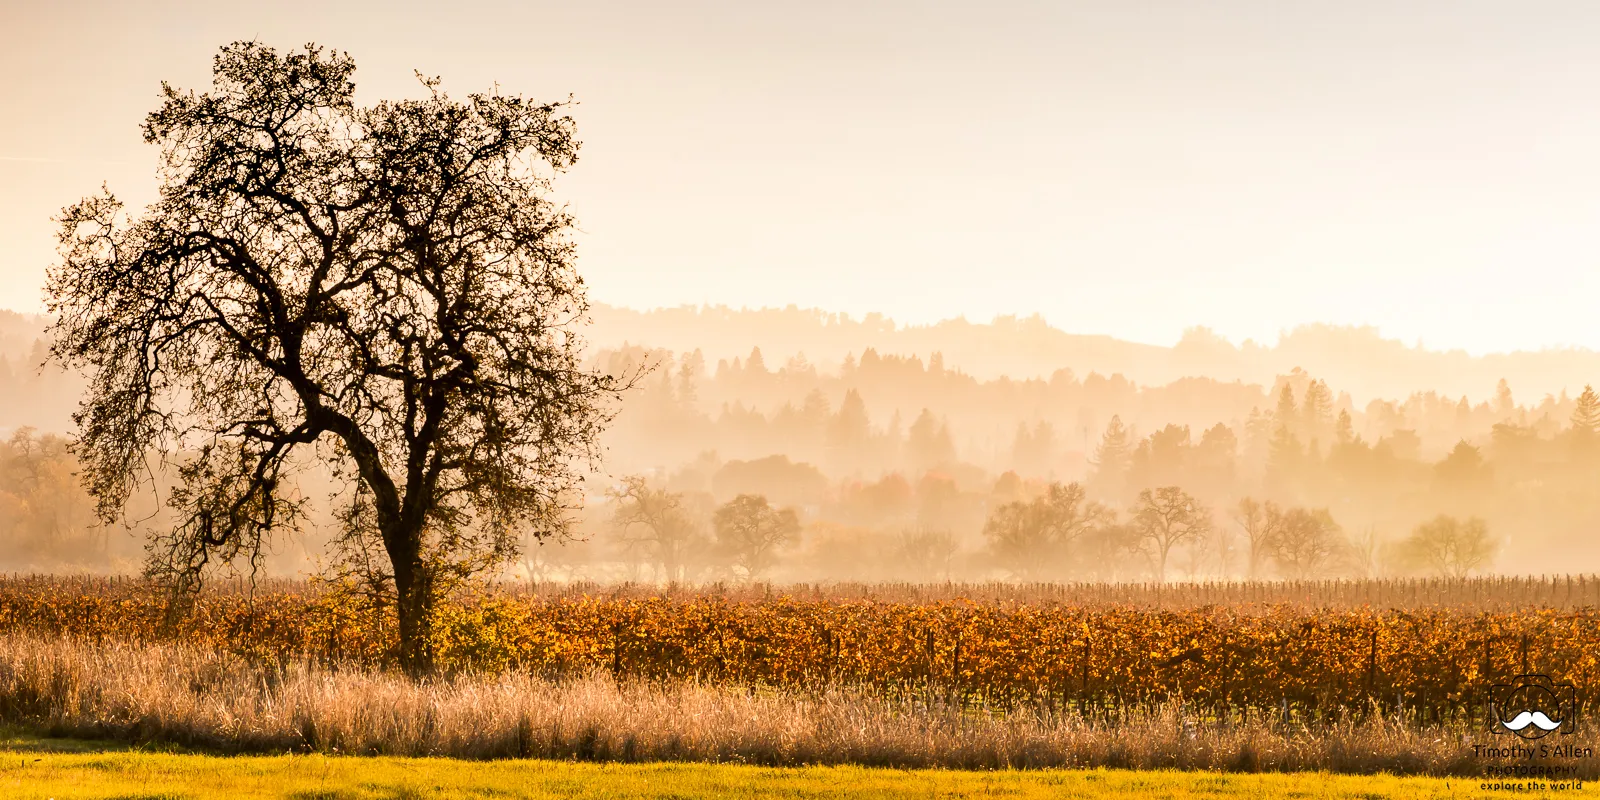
(1112, 460)
(1586, 417)
(1503, 402)
(1285, 416)
(1317, 409)
(1344, 429)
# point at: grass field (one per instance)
(34, 767)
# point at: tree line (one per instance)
(1049, 532)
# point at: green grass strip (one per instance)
(39, 768)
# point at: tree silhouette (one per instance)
(657, 520)
(1504, 404)
(1262, 523)
(387, 288)
(1586, 415)
(1112, 459)
(1285, 414)
(1165, 518)
(1307, 541)
(1464, 473)
(1449, 547)
(928, 443)
(750, 531)
(1317, 409)
(1344, 431)
(849, 431)
(1031, 538)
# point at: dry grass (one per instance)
(221, 702)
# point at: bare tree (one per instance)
(750, 532)
(1308, 543)
(1032, 538)
(658, 521)
(1165, 518)
(1017, 538)
(1447, 546)
(1366, 551)
(1211, 555)
(1110, 550)
(389, 285)
(1261, 523)
(922, 553)
(45, 517)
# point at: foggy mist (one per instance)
(1001, 451)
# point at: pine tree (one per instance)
(849, 433)
(816, 411)
(755, 364)
(1586, 417)
(1317, 409)
(688, 376)
(1286, 416)
(1344, 430)
(1258, 430)
(1503, 402)
(1114, 450)
(1284, 461)
(929, 443)
(1112, 457)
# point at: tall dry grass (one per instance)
(199, 698)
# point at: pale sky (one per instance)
(1121, 167)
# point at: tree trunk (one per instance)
(414, 606)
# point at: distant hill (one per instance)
(1355, 359)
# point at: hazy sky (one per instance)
(1121, 167)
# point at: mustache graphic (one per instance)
(1535, 718)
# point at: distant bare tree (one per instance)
(1165, 518)
(750, 532)
(1449, 547)
(657, 520)
(45, 517)
(1031, 538)
(1309, 542)
(1366, 550)
(1261, 523)
(925, 552)
(387, 288)
(1110, 550)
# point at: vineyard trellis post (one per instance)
(1372, 664)
(955, 670)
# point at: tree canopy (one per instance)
(389, 289)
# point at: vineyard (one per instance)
(1105, 658)
(1495, 593)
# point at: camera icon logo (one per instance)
(1532, 707)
